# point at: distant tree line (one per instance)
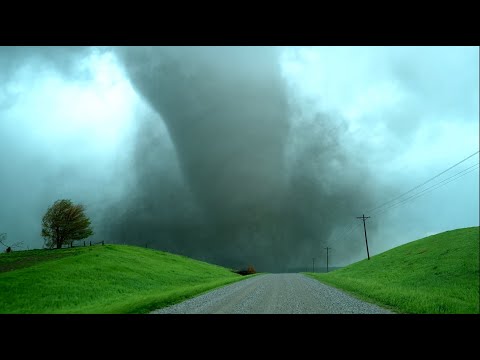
(9, 246)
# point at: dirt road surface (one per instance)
(274, 294)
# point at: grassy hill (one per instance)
(102, 279)
(436, 274)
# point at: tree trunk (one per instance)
(59, 244)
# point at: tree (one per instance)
(63, 223)
(9, 247)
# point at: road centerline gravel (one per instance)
(274, 294)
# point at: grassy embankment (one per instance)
(102, 279)
(436, 274)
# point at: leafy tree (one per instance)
(63, 223)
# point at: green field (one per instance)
(102, 279)
(435, 275)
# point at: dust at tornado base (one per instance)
(274, 294)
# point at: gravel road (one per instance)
(274, 294)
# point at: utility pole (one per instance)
(327, 256)
(313, 265)
(363, 217)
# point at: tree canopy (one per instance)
(65, 222)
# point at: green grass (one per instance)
(102, 279)
(435, 275)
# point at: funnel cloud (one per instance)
(264, 189)
(238, 155)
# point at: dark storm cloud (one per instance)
(226, 113)
(228, 160)
(264, 192)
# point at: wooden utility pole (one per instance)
(327, 255)
(313, 265)
(363, 217)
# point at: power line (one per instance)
(352, 229)
(431, 188)
(346, 231)
(434, 187)
(416, 187)
(348, 228)
(352, 226)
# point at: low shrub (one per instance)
(249, 271)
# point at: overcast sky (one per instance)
(309, 136)
(413, 112)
